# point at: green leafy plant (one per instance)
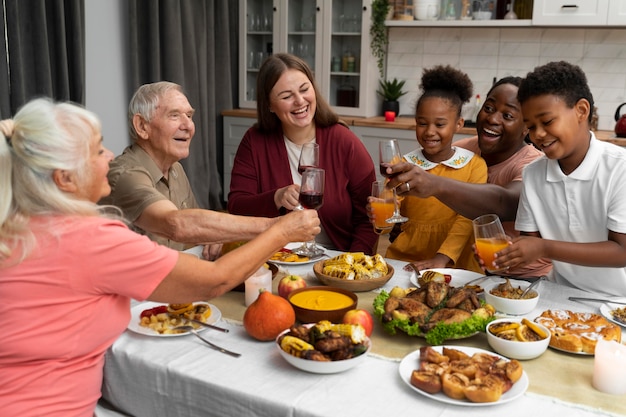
(378, 33)
(391, 90)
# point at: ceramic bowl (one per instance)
(315, 310)
(482, 15)
(511, 306)
(516, 349)
(351, 285)
(317, 367)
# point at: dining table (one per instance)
(181, 376)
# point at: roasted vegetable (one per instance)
(295, 346)
(355, 332)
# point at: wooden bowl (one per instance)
(241, 287)
(314, 315)
(351, 285)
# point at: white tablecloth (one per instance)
(180, 376)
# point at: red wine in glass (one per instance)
(311, 199)
(302, 168)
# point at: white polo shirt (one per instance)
(580, 207)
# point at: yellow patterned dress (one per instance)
(433, 227)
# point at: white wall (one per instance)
(485, 53)
(105, 69)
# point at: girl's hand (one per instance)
(439, 261)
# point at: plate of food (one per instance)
(455, 277)
(577, 332)
(506, 381)
(285, 256)
(615, 313)
(437, 312)
(152, 319)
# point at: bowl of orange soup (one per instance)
(314, 304)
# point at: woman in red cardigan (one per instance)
(265, 179)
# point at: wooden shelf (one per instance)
(459, 23)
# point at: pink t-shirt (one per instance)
(65, 305)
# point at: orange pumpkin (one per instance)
(269, 315)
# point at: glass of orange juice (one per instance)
(383, 207)
(490, 238)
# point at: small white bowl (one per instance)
(509, 305)
(482, 15)
(317, 367)
(516, 349)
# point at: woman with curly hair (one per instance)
(436, 236)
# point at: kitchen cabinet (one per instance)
(546, 13)
(579, 12)
(332, 36)
(234, 129)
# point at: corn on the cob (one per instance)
(343, 259)
(355, 332)
(295, 346)
(339, 271)
(361, 272)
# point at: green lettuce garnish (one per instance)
(438, 334)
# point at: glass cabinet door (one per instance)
(257, 24)
(345, 53)
(301, 30)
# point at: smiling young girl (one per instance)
(436, 236)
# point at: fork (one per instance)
(208, 342)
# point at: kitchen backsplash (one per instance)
(485, 53)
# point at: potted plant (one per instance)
(391, 91)
(378, 32)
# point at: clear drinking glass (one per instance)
(309, 157)
(389, 154)
(383, 207)
(311, 197)
(490, 238)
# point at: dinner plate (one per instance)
(606, 309)
(411, 362)
(570, 352)
(135, 314)
(294, 245)
(460, 277)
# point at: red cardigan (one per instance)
(261, 167)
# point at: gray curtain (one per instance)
(42, 52)
(189, 42)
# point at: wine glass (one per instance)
(490, 238)
(389, 154)
(311, 197)
(309, 157)
(383, 207)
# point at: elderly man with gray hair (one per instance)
(150, 186)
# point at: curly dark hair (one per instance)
(448, 83)
(561, 79)
(513, 80)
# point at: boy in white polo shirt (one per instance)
(573, 204)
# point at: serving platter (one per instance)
(411, 362)
(135, 314)
(607, 308)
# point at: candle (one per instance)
(609, 367)
(390, 116)
(261, 279)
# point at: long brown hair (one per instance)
(271, 70)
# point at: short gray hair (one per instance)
(146, 100)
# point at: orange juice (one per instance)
(382, 210)
(488, 247)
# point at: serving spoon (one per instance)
(213, 345)
(531, 286)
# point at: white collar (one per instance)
(459, 159)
